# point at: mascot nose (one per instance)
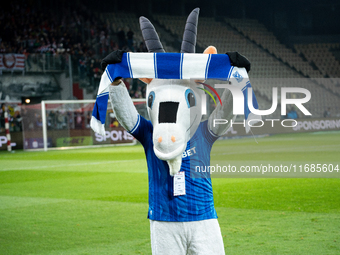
(160, 139)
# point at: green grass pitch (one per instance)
(94, 201)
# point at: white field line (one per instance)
(76, 164)
(298, 149)
(9, 202)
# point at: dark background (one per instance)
(291, 17)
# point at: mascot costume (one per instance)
(182, 216)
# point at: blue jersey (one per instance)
(198, 202)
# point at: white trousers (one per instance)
(182, 238)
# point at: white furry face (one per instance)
(174, 108)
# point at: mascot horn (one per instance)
(174, 106)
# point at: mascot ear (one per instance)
(210, 50)
(146, 80)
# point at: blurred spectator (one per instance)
(2, 117)
(327, 113)
(72, 30)
(292, 114)
(14, 118)
(51, 120)
(38, 122)
(130, 39)
(121, 38)
(142, 47)
(88, 119)
(61, 123)
(114, 123)
(78, 120)
(17, 120)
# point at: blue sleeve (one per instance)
(208, 135)
(142, 131)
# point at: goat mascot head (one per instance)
(174, 106)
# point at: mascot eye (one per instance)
(190, 97)
(151, 98)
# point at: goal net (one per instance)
(66, 124)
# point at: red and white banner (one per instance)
(12, 62)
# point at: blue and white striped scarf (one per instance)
(163, 66)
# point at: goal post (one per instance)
(65, 124)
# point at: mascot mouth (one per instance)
(169, 156)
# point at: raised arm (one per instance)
(121, 102)
(122, 105)
(225, 111)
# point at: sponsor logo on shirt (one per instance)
(189, 152)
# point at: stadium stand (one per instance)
(261, 36)
(130, 20)
(320, 54)
(273, 64)
(317, 54)
(48, 40)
